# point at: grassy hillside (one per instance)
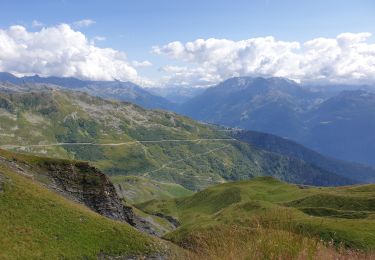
(37, 223)
(31, 122)
(343, 215)
(139, 189)
(263, 218)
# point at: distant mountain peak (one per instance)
(123, 91)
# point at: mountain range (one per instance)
(286, 147)
(123, 91)
(111, 177)
(334, 120)
(125, 139)
(338, 124)
(176, 94)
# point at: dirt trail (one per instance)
(11, 146)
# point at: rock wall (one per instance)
(80, 182)
(88, 185)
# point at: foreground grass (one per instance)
(36, 223)
(343, 216)
(235, 242)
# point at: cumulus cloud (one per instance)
(62, 51)
(99, 38)
(83, 23)
(348, 58)
(36, 23)
(142, 64)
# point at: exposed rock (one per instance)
(88, 185)
(171, 219)
(80, 182)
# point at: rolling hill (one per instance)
(139, 189)
(49, 209)
(275, 218)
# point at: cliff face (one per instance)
(88, 185)
(80, 182)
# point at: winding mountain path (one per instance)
(183, 159)
(145, 174)
(10, 146)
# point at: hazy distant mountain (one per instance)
(344, 126)
(340, 125)
(271, 105)
(124, 91)
(275, 144)
(176, 94)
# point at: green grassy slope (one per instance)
(36, 223)
(52, 117)
(345, 214)
(137, 189)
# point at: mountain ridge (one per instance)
(336, 124)
(287, 147)
(123, 91)
(55, 116)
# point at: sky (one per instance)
(194, 43)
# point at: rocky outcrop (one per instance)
(175, 223)
(80, 182)
(86, 184)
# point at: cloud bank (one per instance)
(348, 58)
(62, 51)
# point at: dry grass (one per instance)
(239, 243)
(265, 239)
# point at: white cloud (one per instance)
(99, 38)
(83, 23)
(62, 51)
(36, 23)
(141, 64)
(348, 58)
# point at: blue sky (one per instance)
(135, 26)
